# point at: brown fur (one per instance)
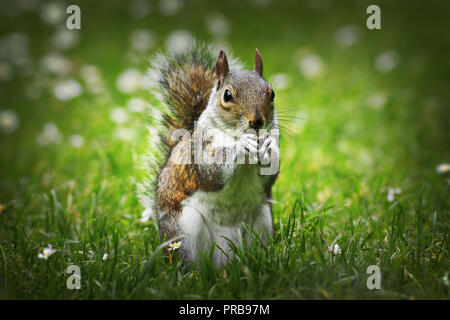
(189, 90)
(175, 183)
(187, 87)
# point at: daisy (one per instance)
(217, 25)
(137, 105)
(377, 101)
(52, 12)
(335, 249)
(92, 77)
(6, 72)
(311, 66)
(129, 81)
(392, 192)
(119, 115)
(170, 7)
(348, 203)
(65, 39)
(443, 168)
(50, 135)
(55, 63)
(67, 89)
(387, 61)
(175, 246)
(124, 134)
(9, 121)
(77, 141)
(47, 252)
(142, 40)
(179, 40)
(347, 36)
(280, 81)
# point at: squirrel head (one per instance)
(244, 98)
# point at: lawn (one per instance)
(365, 117)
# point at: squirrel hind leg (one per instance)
(168, 226)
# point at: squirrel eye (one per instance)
(272, 96)
(227, 96)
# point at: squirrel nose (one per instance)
(257, 123)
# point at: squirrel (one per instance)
(211, 200)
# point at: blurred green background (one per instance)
(365, 123)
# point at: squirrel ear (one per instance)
(222, 68)
(258, 63)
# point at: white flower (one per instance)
(14, 48)
(335, 249)
(53, 12)
(175, 246)
(6, 72)
(129, 81)
(137, 105)
(77, 141)
(47, 252)
(387, 61)
(139, 9)
(91, 76)
(50, 135)
(8, 121)
(311, 66)
(324, 194)
(179, 40)
(36, 86)
(65, 39)
(119, 115)
(377, 101)
(105, 257)
(280, 81)
(347, 36)
(67, 89)
(55, 63)
(392, 192)
(217, 25)
(348, 203)
(443, 168)
(146, 215)
(147, 82)
(125, 134)
(142, 40)
(170, 7)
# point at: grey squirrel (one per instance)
(231, 112)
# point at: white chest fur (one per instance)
(209, 217)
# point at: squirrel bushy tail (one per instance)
(181, 82)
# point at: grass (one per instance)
(83, 200)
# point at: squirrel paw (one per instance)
(248, 144)
(264, 152)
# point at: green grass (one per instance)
(83, 200)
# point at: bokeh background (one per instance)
(365, 125)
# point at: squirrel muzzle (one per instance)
(256, 119)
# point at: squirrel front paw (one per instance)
(265, 148)
(248, 149)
